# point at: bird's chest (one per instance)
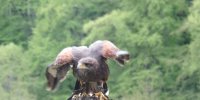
(87, 76)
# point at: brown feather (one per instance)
(65, 56)
(109, 50)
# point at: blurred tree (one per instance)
(193, 23)
(17, 19)
(161, 35)
(189, 81)
(13, 80)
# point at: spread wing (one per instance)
(108, 50)
(57, 71)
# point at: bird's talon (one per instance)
(74, 96)
(84, 94)
(101, 96)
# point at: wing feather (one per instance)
(56, 72)
(64, 57)
(110, 51)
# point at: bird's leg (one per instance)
(81, 83)
(83, 92)
(100, 94)
(101, 86)
(101, 83)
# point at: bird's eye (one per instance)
(87, 64)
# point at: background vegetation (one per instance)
(163, 37)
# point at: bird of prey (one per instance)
(88, 64)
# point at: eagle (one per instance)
(88, 64)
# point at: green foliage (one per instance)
(162, 37)
(194, 24)
(17, 19)
(13, 86)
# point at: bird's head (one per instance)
(87, 63)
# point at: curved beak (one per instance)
(81, 66)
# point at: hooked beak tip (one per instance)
(81, 66)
